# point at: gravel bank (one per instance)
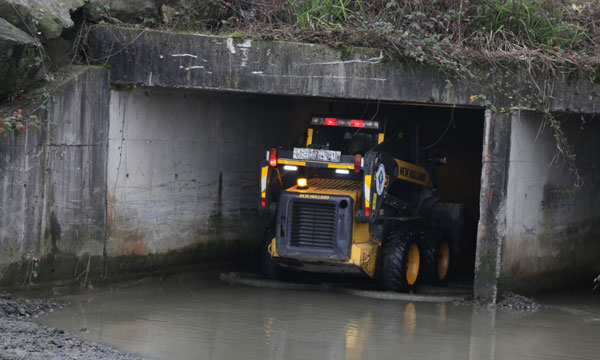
(507, 301)
(22, 339)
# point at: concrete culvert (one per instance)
(159, 152)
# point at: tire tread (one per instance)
(269, 268)
(429, 247)
(395, 251)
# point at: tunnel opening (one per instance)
(456, 132)
(183, 165)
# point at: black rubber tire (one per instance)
(380, 231)
(268, 267)
(430, 245)
(395, 261)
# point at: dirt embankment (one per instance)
(22, 339)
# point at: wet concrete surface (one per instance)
(206, 319)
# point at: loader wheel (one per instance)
(435, 251)
(269, 268)
(401, 262)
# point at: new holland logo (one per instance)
(416, 175)
(313, 196)
(380, 179)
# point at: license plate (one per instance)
(317, 154)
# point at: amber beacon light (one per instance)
(302, 183)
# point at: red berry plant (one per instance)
(16, 123)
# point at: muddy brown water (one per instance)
(208, 319)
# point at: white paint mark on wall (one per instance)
(321, 77)
(184, 55)
(195, 67)
(160, 56)
(373, 60)
(257, 72)
(230, 45)
(269, 58)
(245, 47)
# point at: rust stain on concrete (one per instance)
(129, 243)
(110, 207)
(123, 241)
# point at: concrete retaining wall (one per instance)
(551, 239)
(53, 184)
(195, 61)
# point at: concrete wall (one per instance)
(551, 239)
(184, 168)
(131, 180)
(195, 61)
(52, 184)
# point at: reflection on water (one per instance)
(410, 322)
(210, 320)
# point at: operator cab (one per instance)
(352, 138)
(349, 136)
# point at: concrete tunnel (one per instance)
(170, 139)
(185, 162)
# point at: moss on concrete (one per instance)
(567, 278)
(67, 269)
(238, 35)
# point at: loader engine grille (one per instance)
(313, 224)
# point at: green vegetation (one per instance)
(533, 28)
(325, 14)
(533, 23)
